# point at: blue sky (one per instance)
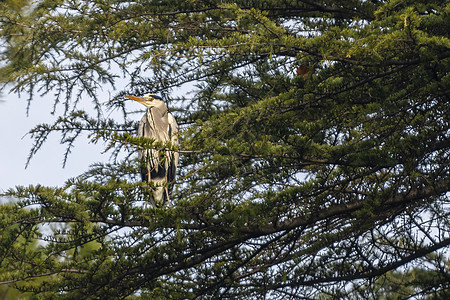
(46, 167)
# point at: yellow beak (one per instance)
(138, 99)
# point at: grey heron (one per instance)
(159, 166)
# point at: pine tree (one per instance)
(314, 150)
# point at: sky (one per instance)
(45, 167)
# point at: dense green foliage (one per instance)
(314, 149)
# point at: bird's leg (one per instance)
(165, 187)
(148, 180)
(167, 194)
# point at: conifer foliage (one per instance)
(314, 150)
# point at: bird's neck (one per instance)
(159, 112)
(160, 119)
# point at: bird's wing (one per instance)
(173, 160)
(149, 158)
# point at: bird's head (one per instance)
(149, 100)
